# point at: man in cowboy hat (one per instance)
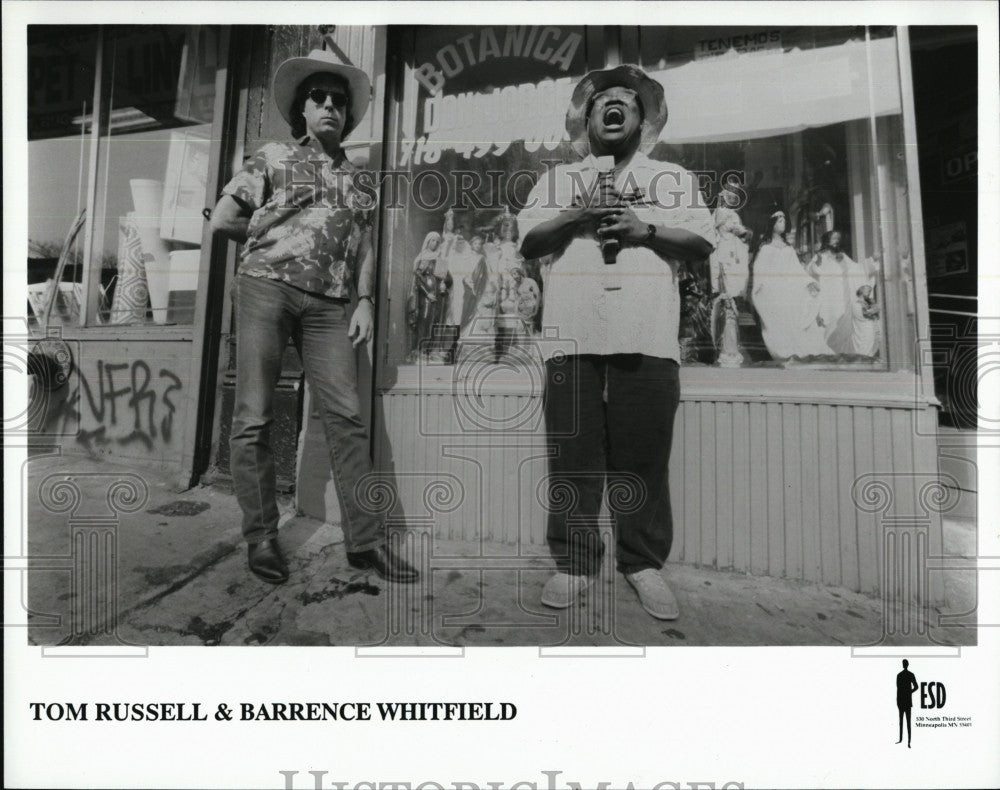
(306, 228)
(610, 404)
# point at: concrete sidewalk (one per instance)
(178, 576)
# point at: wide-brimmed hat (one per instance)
(650, 94)
(290, 74)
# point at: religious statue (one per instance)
(467, 268)
(839, 279)
(423, 305)
(784, 295)
(729, 267)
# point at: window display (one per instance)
(785, 297)
(795, 134)
(805, 126)
(729, 273)
(60, 92)
(843, 284)
(150, 185)
(475, 289)
(475, 129)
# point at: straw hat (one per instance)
(650, 94)
(290, 74)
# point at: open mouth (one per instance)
(614, 116)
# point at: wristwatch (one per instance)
(369, 298)
(650, 233)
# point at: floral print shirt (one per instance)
(309, 217)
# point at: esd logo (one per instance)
(932, 695)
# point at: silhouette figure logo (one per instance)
(906, 684)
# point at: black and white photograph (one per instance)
(448, 361)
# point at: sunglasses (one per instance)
(320, 95)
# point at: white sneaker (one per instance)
(562, 589)
(654, 594)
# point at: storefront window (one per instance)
(60, 94)
(155, 115)
(476, 128)
(796, 134)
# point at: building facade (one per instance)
(808, 425)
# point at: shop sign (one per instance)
(959, 164)
(549, 44)
(947, 250)
(477, 124)
(743, 43)
(60, 83)
(146, 65)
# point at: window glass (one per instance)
(158, 98)
(476, 127)
(804, 127)
(60, 95)
(154, 171)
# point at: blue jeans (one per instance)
(610, 422)
(268, 313)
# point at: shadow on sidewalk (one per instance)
(116, 558)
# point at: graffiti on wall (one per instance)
(113, 402)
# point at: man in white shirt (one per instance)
(610, 405)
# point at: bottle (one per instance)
(605, 186)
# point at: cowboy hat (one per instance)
(293, 71)
(650, 95)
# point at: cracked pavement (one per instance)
(174, 573)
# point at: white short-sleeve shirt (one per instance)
(643, 315)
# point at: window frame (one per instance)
(87, 324)
(901, 377)
(601, 45)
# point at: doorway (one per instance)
(945, 88)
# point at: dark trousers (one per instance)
(268, 313)
(610, 421)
